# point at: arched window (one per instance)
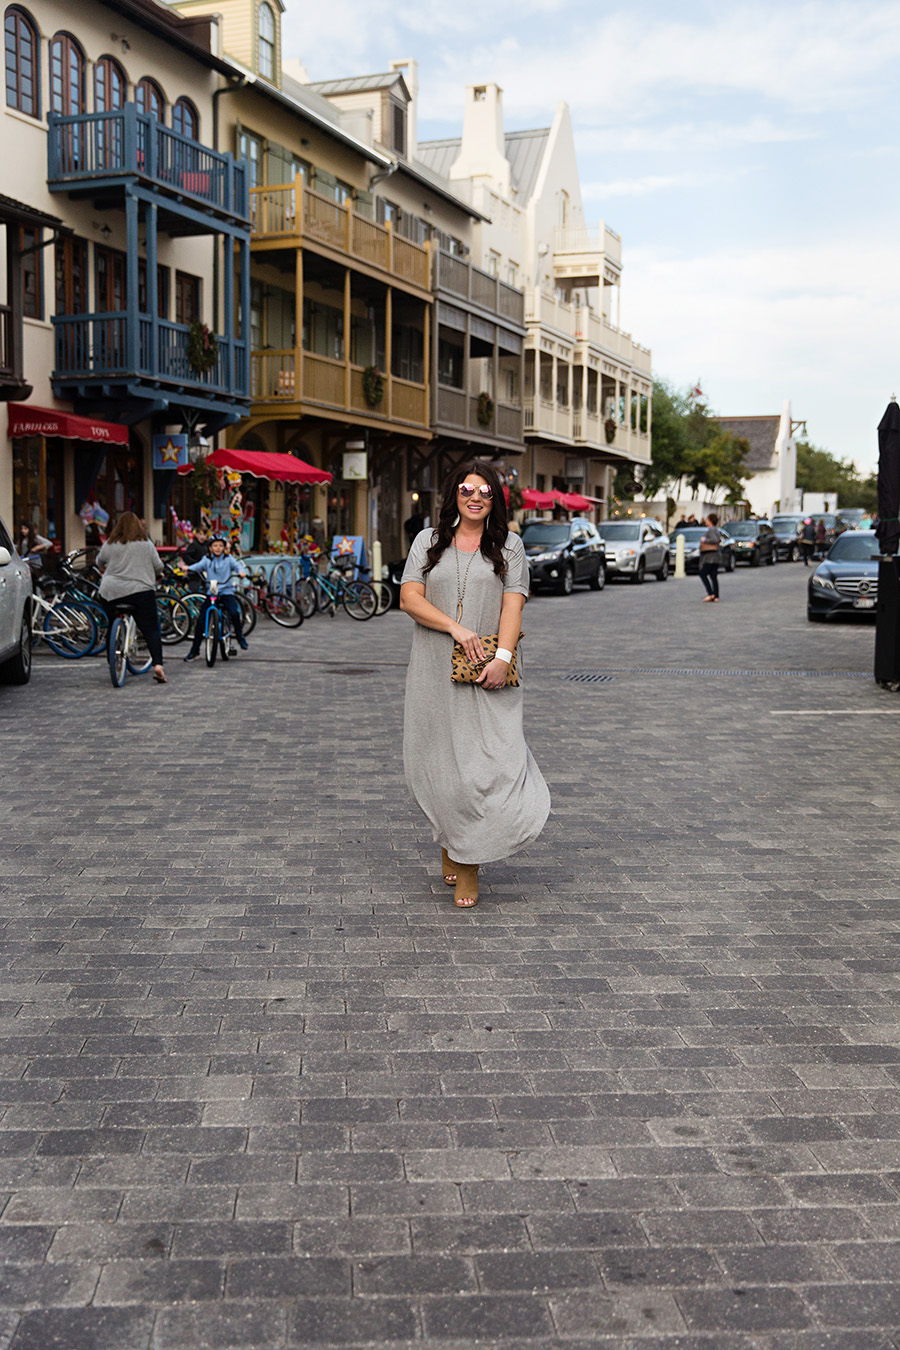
(110, 85)
(150, 99)
(266, 42)
(185, 119)
(66, 75)
(22, 76)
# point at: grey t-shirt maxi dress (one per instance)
(464, 753)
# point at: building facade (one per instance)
(770, 486)
(587, 384)
(136, 248)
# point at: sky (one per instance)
(747, 154)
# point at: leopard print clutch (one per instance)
(464, 671)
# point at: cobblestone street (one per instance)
(264, 1087)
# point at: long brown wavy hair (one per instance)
(128, 530)
(495, 527)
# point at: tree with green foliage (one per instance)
(820, 471)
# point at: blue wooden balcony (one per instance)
(136, 357)
(97, 154)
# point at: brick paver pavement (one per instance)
(263, 1086)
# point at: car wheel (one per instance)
(17, 670)
(793, 555)
(566, 583)
(663, 573)
(597, 582)
(638, 578)
(772, 559)
(730, 564)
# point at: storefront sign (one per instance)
(355, 468)
(170, 452)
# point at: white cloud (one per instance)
(635, 187)
(780, 322)
(689, 137)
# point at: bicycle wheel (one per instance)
(137, 654)
(384, 595)
(69, 629)
(283, 611)
(248, 614)
(305, 597)
(118, 657)
(226, 634)
(359, 599)
(174, 619)
(211, 639)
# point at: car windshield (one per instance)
(742, 529)
(617, 532)
(691, 533)
(828, 520)
(784, 523)
(858, 546)
(545, 532)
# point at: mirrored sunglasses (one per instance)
(467, 490)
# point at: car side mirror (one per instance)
(5, 557)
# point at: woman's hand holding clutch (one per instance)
(470, 642)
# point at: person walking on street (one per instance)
(218, 567)
(466, 762)
(132, 565)
(710, 558)
(807, 540)
(821, 538)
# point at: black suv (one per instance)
(562, 553)
(787, 536)
(754, 541)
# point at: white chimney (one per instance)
(482, 153)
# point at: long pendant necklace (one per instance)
(461, 587)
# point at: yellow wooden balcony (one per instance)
(325, 384)
(290, 215)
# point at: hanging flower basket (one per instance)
(202, 348)
(373, 386)
(609, 427)
(485, 412)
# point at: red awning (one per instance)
(573, 501)
(538, 501)
(265, 464)
(26, 420)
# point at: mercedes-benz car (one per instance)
(846, 580)
(563, 553)
(634, 548)
(15, 613)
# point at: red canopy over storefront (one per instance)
(26, 420)
(538, 501)
(573, 501)
(265, 464)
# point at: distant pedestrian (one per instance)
(132, 565)
(31, 546)
(710, 558)
(198, 547)
(807, 540)
(821, 538)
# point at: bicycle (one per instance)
(128, 652)
(67, 626)
(218, 633)
(262, 597)
(333, 587)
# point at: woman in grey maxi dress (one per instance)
(464, 753)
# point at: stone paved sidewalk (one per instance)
(263, 1087)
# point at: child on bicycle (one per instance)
(218, 567)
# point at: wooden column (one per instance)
(426, 371)
(388, 346)
(298, 325)
(346, 337)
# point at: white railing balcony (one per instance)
(549, 311)
(587, 248)
(545, 417)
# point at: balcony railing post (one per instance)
(132, 320)
(130, 137)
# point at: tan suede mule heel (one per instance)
(448, 868)
(465, 896)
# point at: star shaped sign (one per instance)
(169, 452)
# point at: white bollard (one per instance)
(679, 572)
(376, 560)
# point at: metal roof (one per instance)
(524, 150)
(360, 84)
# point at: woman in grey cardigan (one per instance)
(132, 565)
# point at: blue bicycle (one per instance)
(218, 633)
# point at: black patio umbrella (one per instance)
(888, 528)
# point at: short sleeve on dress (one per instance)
(517, 575)
(418, 557)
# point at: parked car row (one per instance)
(15, 613)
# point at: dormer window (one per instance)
(265, 55)
(398, 127)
